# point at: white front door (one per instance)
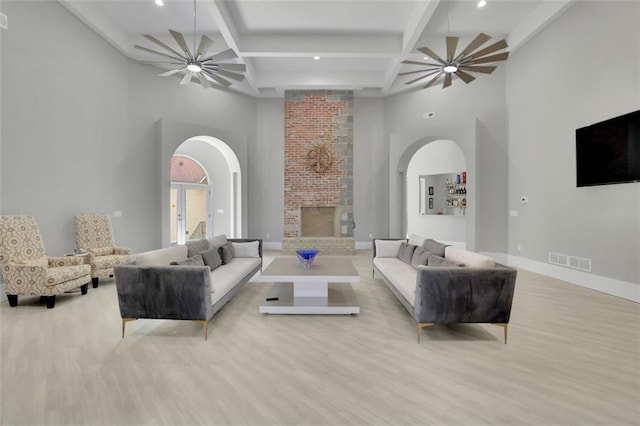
(189, 217)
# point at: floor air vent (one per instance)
(570, 261)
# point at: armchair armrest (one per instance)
(121, 250)
(18, 275)
(65, 261)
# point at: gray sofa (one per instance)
(435, 289)
(155, 288)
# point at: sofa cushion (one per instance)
(420, 256)
(162, 256)
(388, 248)
(469, 258)
(434, 260)
(434, 247)
(226, 253)
(416, 240)
(211, 258)
(406, 252)
(249, 249)
(401, 275)
(195, 260)
(218, 240)
(196, 246)
(225, 278)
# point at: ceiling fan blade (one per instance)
(447, 81)
(483, 69)
(233, 75)
(222, 56)
(424, 76)
(430, 53)
(158, 53)
(218, 79)
(421, 63)
(452, 43)
(467, 78)
(171, 72)
(481, 39)
(232, 67)
(502, 44)
(205, 43)
(187, 78)
(423, 70)
(493, 58)
(181, 42)
(203, 81)
(433, 80)
(161, 44)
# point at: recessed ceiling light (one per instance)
(426, 58)
(159, 2)
(316, 57)
(482, 3)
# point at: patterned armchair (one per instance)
(26, 269)
(94, 235)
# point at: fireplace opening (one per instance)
(318, 221)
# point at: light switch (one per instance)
(117, 213)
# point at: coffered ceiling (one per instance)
(361, 43)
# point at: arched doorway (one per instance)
(190, 214)
(223, 189)
(435, 194)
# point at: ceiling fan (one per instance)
(461, 65)
(208, 69)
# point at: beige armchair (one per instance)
(26, 269)
(94, 235)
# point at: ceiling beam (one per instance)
(88, 14)
(422, 13)
(537, 20)
(335, 45)
(221, 16)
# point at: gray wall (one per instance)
(555, 84)
(91, 141)
(474, 117)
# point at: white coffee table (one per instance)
(325, 288)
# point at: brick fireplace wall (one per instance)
(318, 118)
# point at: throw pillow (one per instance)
(388, 248)
(420, 256)
(211, 258)
(196, 246)
(249, 249)
(416, 240)
(226, 253)
(218, 240)
(195, 260)
(435, 260)
(406, 252)
(434, 247)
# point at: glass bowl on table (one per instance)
(306, 256)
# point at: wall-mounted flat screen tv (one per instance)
(609, 152)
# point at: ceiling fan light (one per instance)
(194, 67)
(482, 3)
(159, 2)
(449, 69)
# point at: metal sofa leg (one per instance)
(125, 321)
(422, 325)
(505, 326)
(205, 325)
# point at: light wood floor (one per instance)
(573, 358)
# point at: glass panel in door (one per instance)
(173, 214)
(195, 213)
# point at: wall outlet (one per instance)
(519, 247)
(267, 236)
(513, 212)
(427, 115)
(370, 235)
(117, 213)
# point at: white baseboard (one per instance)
(623, 289)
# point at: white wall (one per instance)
(437, 157)
(555, 85)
